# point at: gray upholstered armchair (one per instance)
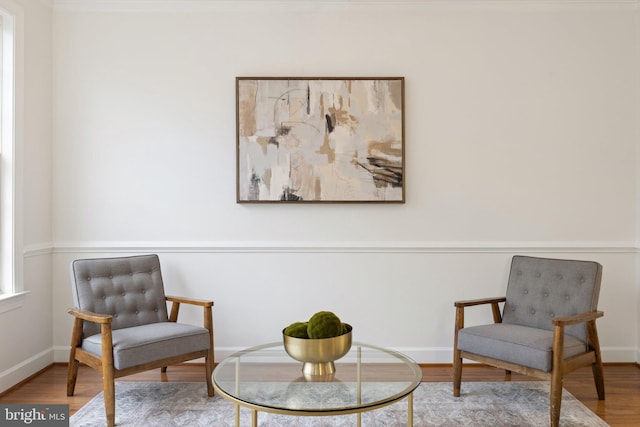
(122, 326)
(547, 327)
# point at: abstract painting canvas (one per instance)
(320, 139)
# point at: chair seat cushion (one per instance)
(148, 343)
(517, 344)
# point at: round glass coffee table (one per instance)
(266, 379)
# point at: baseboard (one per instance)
(422, 355)
(61, 354)
(24, 370)
(619, 355)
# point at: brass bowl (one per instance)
(318, 355)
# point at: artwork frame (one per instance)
(320, 140)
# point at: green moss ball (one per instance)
(297, 330)
(345, 328)
(324, 324)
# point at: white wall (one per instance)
(26, 332)
(521, 137)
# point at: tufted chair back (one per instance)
(540, 289)
(129, 288)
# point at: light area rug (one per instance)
(495, 404)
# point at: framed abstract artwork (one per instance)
(302, 139)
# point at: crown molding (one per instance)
(204, 5)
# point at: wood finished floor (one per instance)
(621, 407)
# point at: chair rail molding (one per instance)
(336, 247)
(38, 249)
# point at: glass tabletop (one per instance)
(265, 377)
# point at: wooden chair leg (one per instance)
(109, 399)
(76, 338)
(72, 376)
(555, 399)
(208, 363)
(557, 373)
(209, 360)
(596, 367)
(598, 377)
(457, 373)
(457, 357)
(108, 383)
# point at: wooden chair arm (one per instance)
(206, 305)
(578, 318)
(495, 309)
(90, 316)
(105, 329)
(192, 301)
(469, 303)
